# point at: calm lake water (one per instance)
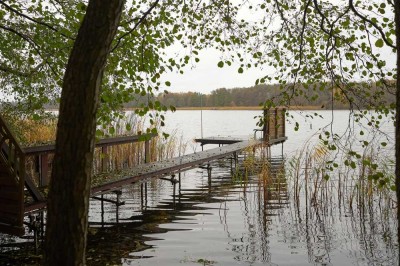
(249, 221)
(283, 217)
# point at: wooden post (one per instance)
(209, 174)
(276, 123)
(104, 159)
(141, 196)
(179, 174)
(43, 169)
(147, 151)
(266, 125)
(102, 210)
(283, 123)
(174, 195)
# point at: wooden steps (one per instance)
(11, 204)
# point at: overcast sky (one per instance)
(206, 76)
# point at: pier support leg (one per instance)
(209, 174)
(179, 179)
(141, 196)
(102, 210)
(145, 195)
(42, 225)
(34, 226)
(117, 204)
(173, 195)
(235, 158)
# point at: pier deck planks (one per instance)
(167, 167)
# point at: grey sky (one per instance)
(206, 76)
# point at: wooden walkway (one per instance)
(16, 186)
(168, 167)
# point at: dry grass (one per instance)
(113, 158)
(351, 187)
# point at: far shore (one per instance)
(233, 108)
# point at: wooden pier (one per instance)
(21, 196)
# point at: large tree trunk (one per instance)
(397, 145)
(68, 200)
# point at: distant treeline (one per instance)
(312, 95)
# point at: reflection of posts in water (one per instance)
(257, 209)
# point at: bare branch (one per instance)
(285, 21)
(303, 28)
(140, 21)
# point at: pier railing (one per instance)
(43, 160)
(12, 181)
(273, 126)
(19, 194)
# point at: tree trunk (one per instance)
(397, 122)
(68, 200)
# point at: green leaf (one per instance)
(240, 70)
(220, 64)
(379, 43)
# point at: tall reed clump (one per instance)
(270, 173)
(124, 156)
(31, 132)
(353, 182)
(112, 159)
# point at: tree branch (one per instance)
(140, 21)
(383, 36)
(7, 69)
(34, 20)
(31, 42)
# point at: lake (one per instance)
(282, 214)
(251, 220)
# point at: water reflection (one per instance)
(258, 218)
(243, 206)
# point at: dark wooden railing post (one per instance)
(266, 125)
(104, 159)
(283, 122)
(147, 151)
(12, 160)
(276, 122)
(43, 169)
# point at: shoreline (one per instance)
(231, 108)
(240, 108)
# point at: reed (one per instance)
(113, 159)
(354, 185)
